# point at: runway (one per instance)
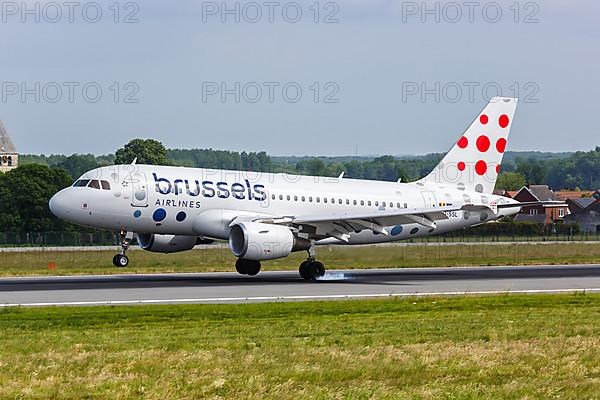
(287, 286)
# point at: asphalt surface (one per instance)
(287, 286)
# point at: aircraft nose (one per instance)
(59, 204)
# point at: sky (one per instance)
(296, 78)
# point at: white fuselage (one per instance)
(202, 202)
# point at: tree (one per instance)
(510, 181)
(24, 195)
(532, 169)
(77, 164)
(147, 151)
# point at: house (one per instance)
(543, 213)
(9, 158)
(565, 195)
(585, 212)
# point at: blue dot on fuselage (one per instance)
(180, 216)
(137, 213)
(159, 214)
(397, 230)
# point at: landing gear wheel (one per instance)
(247, 267)
(120, 260)
(304, 270)
(312, 270)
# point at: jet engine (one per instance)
(166, 243)
(257, 241)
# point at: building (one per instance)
(565, 195)
(542, 213)
(9, 158)
(585, 212)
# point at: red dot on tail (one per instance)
(501, 145)
(498, 168)
(483, 119)
(503, 121)
(463, 142)
(483, 143)
(461, 166)
(481, 167)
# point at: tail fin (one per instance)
(474, 162)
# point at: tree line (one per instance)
(580, 170)
(25, 191)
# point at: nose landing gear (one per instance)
(121, 260)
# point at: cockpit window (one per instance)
(94, 184)
(81, 183)
(105, 185)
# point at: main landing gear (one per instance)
(311, 269)
(121, 260)
(247, 267)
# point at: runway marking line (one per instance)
(291, 298)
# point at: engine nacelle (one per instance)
(256, 241)
(166, 243)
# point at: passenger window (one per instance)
(318, 199)
(288, 197)
(310, 199)
(81, 183)
(94, 184)
(280, 197)
(362, 202)
(369, 203)
(340, 201)
(376, 204)
(347, 202)
(398, 205)
(324, 200)
(295, 198)
(105, 185)
(303, 198)
(383, 204)
(354, 202)
(273, 196)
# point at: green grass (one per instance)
(496, 347)
(334, 257)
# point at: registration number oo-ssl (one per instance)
(451, 214)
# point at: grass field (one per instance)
(334, 257)
(497, 347)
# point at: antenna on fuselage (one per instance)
(134, 161)
(341, 175)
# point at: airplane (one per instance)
(266, 216)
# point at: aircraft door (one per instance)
(139, 187)
(429, 199)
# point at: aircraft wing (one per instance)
(533, 203)
(341, 225)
